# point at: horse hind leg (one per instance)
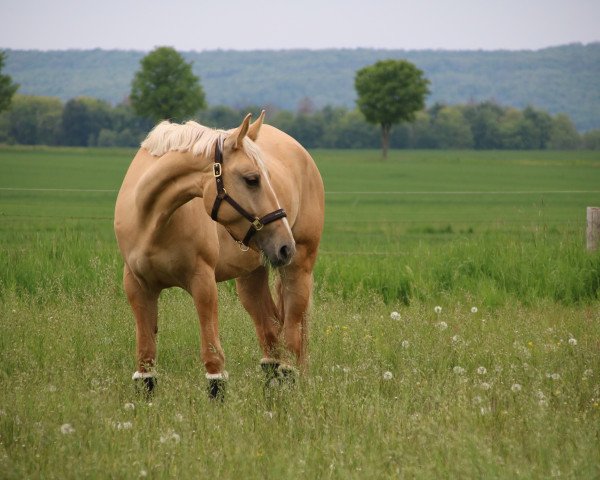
(144, 304)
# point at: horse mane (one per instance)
(190, 136)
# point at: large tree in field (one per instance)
(7, 87)
(165, 87)
(390, 92)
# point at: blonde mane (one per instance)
(192, 137)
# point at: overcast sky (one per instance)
(280, 24)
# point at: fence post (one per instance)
(593, 228)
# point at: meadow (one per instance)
(501, 381)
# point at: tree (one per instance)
(165, 87)
(564, 135)
(390, 92)
(7, 87)
(484, 119)
(35, 120)
(82, 120)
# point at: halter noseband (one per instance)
(256, 223)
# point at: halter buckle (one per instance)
(257, 224)
(217, 169)
(243, 247)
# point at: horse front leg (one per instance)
(203, 289)
(295, 296)
(144, 304)
(255, 295)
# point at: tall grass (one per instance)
(510, 392)
(495, 269)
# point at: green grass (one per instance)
(453, 222)
(67, 362)
(533, 411)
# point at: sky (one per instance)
(280, 24)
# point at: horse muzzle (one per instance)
(279, 254)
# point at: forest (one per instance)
(90, 122)
(562, 79)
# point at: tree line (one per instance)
(35, 120)
(557, 79)
(391, 101)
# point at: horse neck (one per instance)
(173, 179)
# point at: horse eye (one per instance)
(252, 181)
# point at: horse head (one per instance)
(242, 198)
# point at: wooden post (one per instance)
(593, 228)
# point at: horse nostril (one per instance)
(285, 253)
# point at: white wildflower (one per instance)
(485, 410)
(123, 426)
(395, 316)
(588, 373)
(456, 339)
(516, 388)
(539, 394)
(572, 341)
(474, 310)
(484, 386)
(405, 344)
(415, 417)
(481, 370)
(458, 370)
(437, 309)
(388, 375)
(477, 400)
(442, 325)
(170, 436)
(129, 406)
(542, 400)
(66, 429)
(179, 417)
(143, 473)
(553, 376)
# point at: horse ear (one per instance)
(255, 127)
(236, 137)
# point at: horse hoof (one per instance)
(279, 377)
(217, 383)
(269, 367)
(287, 374)
(145, 383)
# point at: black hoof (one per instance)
(278, 375)
(287, 374)
(145, 386)
(216, 389)
(270, 369)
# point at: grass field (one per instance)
(508, 389)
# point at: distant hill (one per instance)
(559, 79)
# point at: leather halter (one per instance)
(256, 223)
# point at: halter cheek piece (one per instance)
(256, 223)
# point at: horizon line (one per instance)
(303, 49)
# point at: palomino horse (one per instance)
(199, 206)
